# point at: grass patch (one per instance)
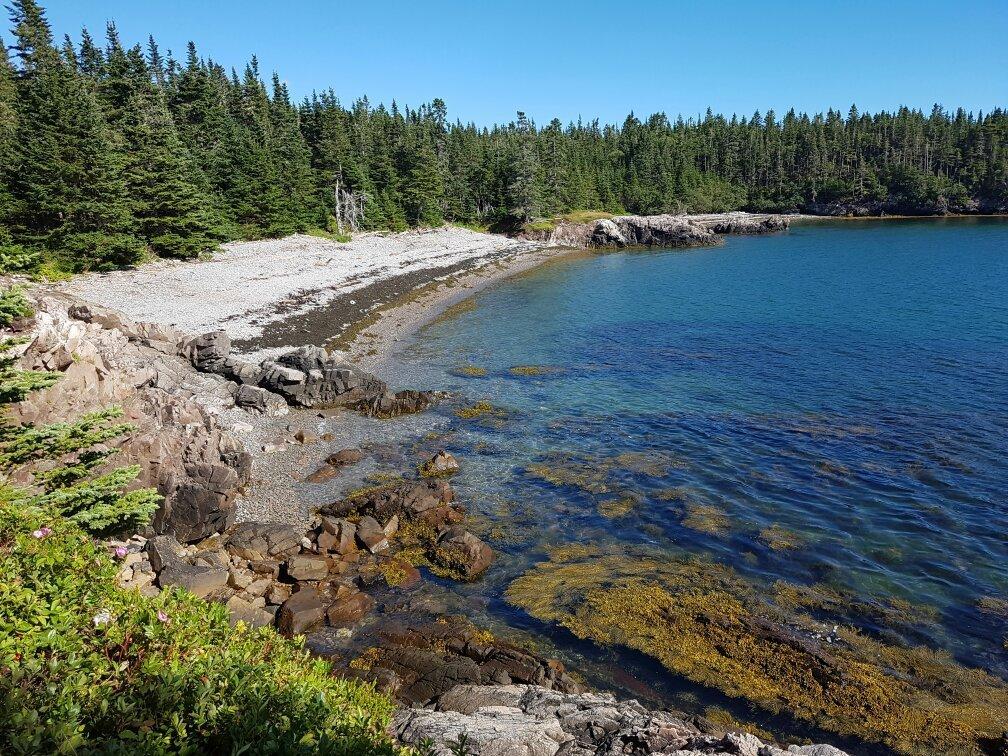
(335, 236)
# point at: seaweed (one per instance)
(704, 622)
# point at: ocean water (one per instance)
(829, 404)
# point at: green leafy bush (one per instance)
(87, 667)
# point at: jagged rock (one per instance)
(349, 610)
(442, 463)
(301, 612)
(208, 351)
(463, 553)
(307, 567)
(260, 400)
(500, 732)
(263, 541)
(183, 452)
(528, 719)
(427, 501)
(278, 593)
(371, 535)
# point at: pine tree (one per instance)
(66, 461)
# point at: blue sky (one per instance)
(570, 59)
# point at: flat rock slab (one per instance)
(307, 567)
(349, 610)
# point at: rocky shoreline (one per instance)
(205, 418)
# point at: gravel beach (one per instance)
(252, 288)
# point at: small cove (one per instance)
(825, 409)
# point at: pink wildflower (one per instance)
(162, 617)
(42, 532)
(120, 551)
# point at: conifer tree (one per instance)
(422, 188)
(72, 198)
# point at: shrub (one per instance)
(88, 667)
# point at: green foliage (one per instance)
(86, 667)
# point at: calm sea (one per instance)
(826, 406)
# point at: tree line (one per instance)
(110, 154)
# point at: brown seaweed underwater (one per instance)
(704, 622)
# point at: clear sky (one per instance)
(569, 59)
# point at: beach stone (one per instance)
(307, 567)
(349, 610)
(371, 535)
(324, 473)
(250, 614)
(202, 581)
(277, 593)
(302, 612)
(260, 400)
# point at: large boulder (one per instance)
(174, 569)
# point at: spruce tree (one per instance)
(422, 188)
(72, 200)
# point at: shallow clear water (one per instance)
(847, 382)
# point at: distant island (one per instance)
(110, 154)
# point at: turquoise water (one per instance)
(845, 383)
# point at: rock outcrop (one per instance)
(663, 230)
(108, 360)
(530, 720)
(304, 377)
(421, 662)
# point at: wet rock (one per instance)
(307, 567)
(463, 553)
(302, 612)
(426, 501)
(441, 464)
(345, 457)
(349, 610)
(323, 474)
(371, 535)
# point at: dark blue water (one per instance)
(845, 382)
